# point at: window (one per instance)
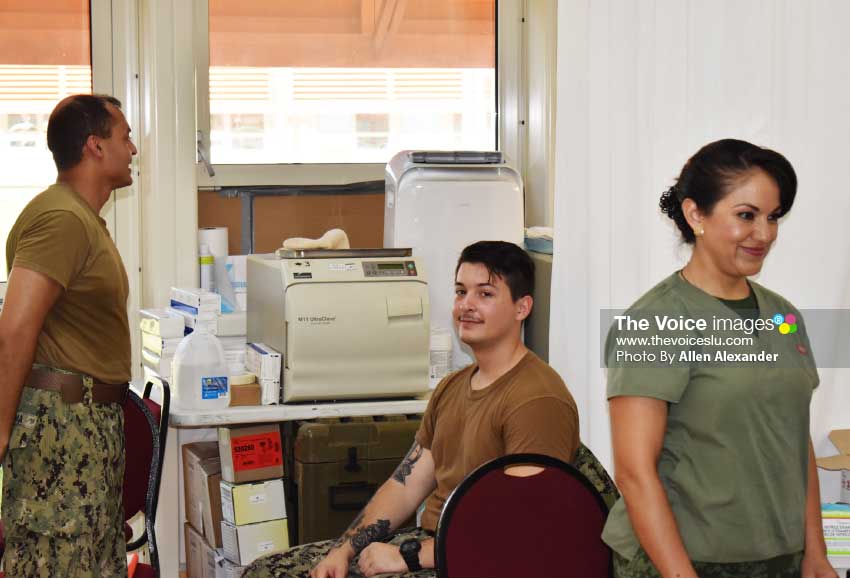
(348, 81)
(45, 55)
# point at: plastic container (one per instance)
(441, 356)
(207, 267)
(200, 374)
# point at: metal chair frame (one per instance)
(160, 431)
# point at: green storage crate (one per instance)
(339, 464)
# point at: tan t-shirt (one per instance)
(529, 409)
(59, 235)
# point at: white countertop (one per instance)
(286, 412)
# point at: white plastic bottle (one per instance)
(441, 356)
(200, 374)
(206, 261)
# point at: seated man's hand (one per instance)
(380, 558)
(335, 564)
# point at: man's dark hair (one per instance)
(71, 123)
(505, 260)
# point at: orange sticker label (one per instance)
(256, 451)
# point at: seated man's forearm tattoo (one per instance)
(361, 536)
(406, 467)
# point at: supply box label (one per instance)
(256, 451)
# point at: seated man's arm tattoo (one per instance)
(406, 467)
(360, 536)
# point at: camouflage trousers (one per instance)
(782, 566)
(298, 561)
(62, 485)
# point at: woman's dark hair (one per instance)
(713, 170)
(506, 260)
(71, 123)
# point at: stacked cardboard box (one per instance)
(254, 508)
(201, 480)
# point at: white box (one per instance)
(162, 322)
(836, 529)
(271, 393)
(248, 503)
(157, 364)
(226, 569)
(263, 361)
(2, 294)
(192, 321)
(202, 304)
(245, 543)
(234, 324)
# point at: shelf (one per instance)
(287, 412)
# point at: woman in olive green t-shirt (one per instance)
(714, 460)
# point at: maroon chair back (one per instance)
(544, 525)
(145, 430)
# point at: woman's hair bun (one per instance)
(670, 203)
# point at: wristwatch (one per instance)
(410, 553)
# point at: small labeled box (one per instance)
(250, 453)
(243, 544)
(252, 502)
(263, 361)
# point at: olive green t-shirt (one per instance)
(59, 235)
(735, 452)
(528, 409)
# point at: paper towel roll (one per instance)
(215, 238)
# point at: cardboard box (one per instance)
(245, 543)
(840, 462)
(200, 556)
(245, 394)
(225, 568)
(201, 487)
(250, 453)
(252, 502)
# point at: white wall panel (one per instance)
(641, 86)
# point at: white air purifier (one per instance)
(438, 202)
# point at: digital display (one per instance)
(393, 266)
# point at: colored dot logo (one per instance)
(787, 324)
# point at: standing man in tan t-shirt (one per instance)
(65, 357)
(508, 402)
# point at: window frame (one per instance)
(509, 126)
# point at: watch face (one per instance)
(411, 547)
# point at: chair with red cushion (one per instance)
(544, 525)
(145, 431)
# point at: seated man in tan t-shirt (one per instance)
(508, 402)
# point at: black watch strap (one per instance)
(410, 553)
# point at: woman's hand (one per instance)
(817, 565)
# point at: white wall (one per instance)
(642, 84)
